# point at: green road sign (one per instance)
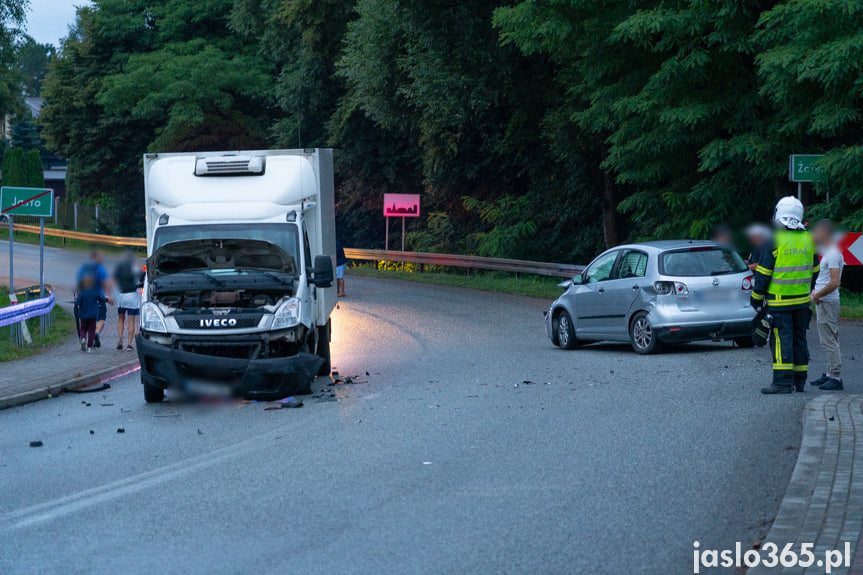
(27, 201)
(802, 168)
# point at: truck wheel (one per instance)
(152, 394)
(323, 349)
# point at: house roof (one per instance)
(34, 105)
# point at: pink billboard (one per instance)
(402, 205)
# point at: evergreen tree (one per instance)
(33, 170)
(14, 172)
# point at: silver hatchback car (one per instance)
(656, 292)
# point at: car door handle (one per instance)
(600, 290)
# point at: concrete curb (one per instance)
(823, 503)
(55, 389)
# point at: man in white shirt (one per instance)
(825, 295)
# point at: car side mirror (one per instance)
(577, 280)
(323, 272)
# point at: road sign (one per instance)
(802, 168)
(402, 205)
(27, 201)
(851, 246)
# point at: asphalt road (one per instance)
(443, 462)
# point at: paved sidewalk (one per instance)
(824, 500)
(65, 365)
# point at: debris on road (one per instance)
(121, 430)
(102, 387)
(286, 403)
(92, 432)
(348, 380)
(35, 444)
(200, 432)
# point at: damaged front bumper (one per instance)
(264, 379)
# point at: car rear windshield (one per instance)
(701, 262)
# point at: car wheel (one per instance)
(642, 335)
(152, 393)
(564, 331)
(744, 341)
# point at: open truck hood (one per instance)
(217, 254)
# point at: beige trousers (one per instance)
(828, 332)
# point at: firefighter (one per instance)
(783, 282)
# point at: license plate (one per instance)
(718, 296)
(208, 388)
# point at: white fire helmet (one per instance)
(789, 213)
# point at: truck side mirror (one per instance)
(323, 272)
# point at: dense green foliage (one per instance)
(12, 13)
(22, 169)
(539, 129)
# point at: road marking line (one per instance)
(51, 510)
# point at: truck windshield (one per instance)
(701, 262)
(283, 235)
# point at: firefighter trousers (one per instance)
(788, 343)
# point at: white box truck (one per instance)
(238, 293)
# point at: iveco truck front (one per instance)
(238, 294)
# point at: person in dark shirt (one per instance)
(89, 300)
(758, 235)
(341, 265)
(128, 277)
(95, 270)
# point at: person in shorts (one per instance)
(128, 277)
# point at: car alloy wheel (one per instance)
(563, 330)
(642, 333)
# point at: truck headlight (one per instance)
(152, 318)
(288, 314)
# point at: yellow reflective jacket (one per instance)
(787, 269)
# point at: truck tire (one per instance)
(323, 349)
(152, 394)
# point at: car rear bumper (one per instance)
(702, 331)
(261, 379)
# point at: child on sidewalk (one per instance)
(88, 302)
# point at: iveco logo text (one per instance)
(226, 322)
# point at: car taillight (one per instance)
(748, 283)
(665, 288)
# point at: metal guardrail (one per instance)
(447, 260)
(18, 312)
(93, 238)
(470, 262)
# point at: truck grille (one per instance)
(231, 349)
(220, 322)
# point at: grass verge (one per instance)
(63, 325)
(536, 286)
(851, 306)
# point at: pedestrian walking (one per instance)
(128, 277)
(95, 270)
(341, 266)
(825, 295)
(88, 302)
(783, 282)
